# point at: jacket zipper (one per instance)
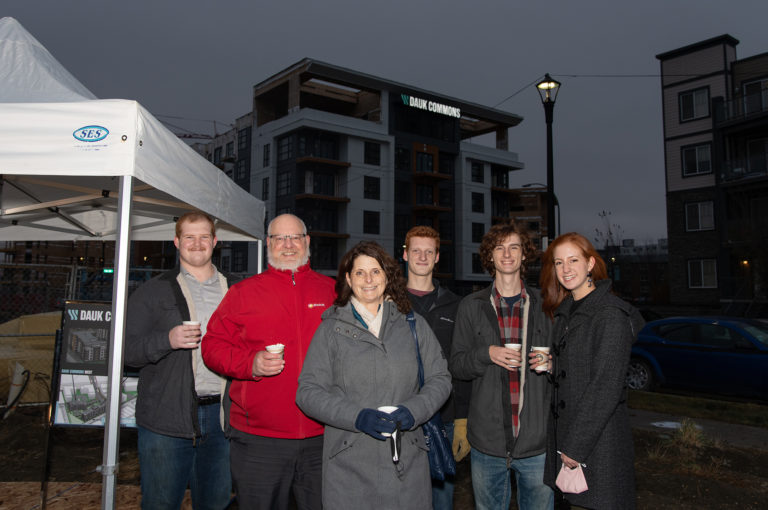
(297, 304)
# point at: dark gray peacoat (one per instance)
(590, 421)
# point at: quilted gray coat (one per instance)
(590, 421)
(348, 369)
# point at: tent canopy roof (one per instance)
(61, 152)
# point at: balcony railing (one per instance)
(736, 169)
(743, 107)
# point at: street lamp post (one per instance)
(548, 89)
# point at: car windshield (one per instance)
(757, 330)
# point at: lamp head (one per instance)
(548, 89)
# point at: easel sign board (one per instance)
(82, 394)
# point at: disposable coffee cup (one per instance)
(543, 352)
(275, 348)
(191, 323)
(388, 410)
(514, 347)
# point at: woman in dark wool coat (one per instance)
(592, 339)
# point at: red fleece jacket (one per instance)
(272, 307)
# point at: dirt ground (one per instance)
(707, 474)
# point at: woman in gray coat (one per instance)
(362, 357)
(593, 335)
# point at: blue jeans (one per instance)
(442, 491)
(168, 464)
(492, 484)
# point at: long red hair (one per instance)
(552, 292)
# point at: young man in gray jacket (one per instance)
(509, 405)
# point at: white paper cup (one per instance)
(388, 410)
(544, 352)
(275, 348)
(514, 347)
(191, 323)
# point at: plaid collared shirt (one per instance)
(511, 332)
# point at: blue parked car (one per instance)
(724, 355)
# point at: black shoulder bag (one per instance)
(441, 463)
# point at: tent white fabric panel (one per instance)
(41, 139)
(44, 116)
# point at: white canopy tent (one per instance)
(73, 167)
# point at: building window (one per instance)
(402, 225)
(445, 194)
(242, 139)
(478, 202)
(371, 222)
(694, 104)
(755, 96)
(217, 156)
(323, 184)
(321, 219)
(285, 148)
(265, 188)
(699, 216)
(478, 169)
(324, 253)
(319, 144)
(372, 187)
(242, 169)
(238, 261)
(447, 163)
(702, 274)
(284, 184)
(424, 162)
(424, 194)
(696, 160)
(757, 155)
(265, 156)
(402, 159)
(478, 229)
(372, 154)
(477, 267)
(230, 150)
(402, 192)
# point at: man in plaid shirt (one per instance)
(509, 406)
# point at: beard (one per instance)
(287, 266)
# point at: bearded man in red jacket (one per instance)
(274, 447)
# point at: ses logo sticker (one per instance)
(91, 133)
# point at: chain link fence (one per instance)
(32, 297)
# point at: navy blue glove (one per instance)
(403, 417)
(373, 422)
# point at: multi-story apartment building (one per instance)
(361, 157)
(715, 110)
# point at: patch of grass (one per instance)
(689, 436)
(657, 452)
(742, 413)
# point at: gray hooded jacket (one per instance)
(348, 369)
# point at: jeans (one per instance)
(168, 464)
(442, 491)
(493, 486)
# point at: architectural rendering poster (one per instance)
(84, 364)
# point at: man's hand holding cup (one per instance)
(185, 336)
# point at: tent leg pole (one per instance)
(260, 258)
(119, 302)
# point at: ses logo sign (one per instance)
(91, 133)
